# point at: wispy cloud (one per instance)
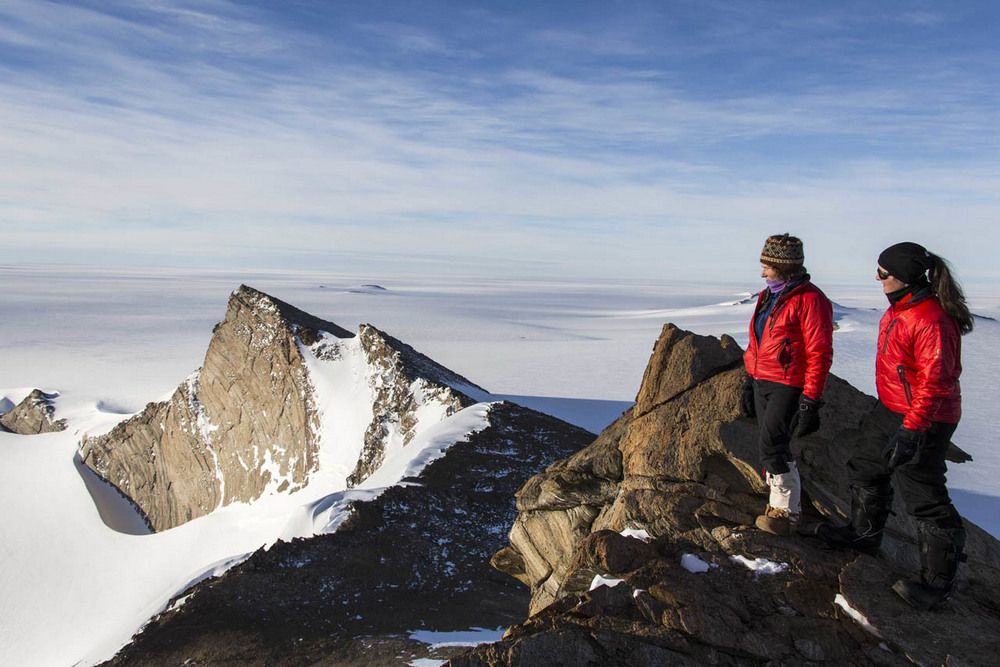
(218, 130)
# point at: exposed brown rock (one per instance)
(247, 412)
(33, 415)
(688, 476)
(681, 360)
(246, 423)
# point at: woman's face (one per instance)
(769, 272)
(889, 282)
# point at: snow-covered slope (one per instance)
(67, 574)
(77, 563)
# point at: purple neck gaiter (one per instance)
(775, 285)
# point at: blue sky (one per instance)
(650, 140)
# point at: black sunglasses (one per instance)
(880, 274)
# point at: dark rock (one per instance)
(612, 553)
(966, 631)
(417, 557)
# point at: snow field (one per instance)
(94, 582)
(110, 343)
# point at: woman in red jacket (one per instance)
(917, 365)
(788, 359)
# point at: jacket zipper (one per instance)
(785, 357)
(756, 312)
(773, 317)
(901, 372)
(782, 299)
(888, 331)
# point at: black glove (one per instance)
(903, 446)
(806, 419)
(748, 408)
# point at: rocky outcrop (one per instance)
(415, 558)
(682, 466)
(249, 421)
(33, 415)
(240, 424)
(403, 379)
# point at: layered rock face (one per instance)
(682, 466)
(403, 379)
(248, 422)
(34, 415)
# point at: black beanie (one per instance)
(906, 261)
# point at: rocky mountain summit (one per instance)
(33, 415)
(250, 420)
(691, 582)
(414, 558)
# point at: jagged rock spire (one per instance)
(243, 423)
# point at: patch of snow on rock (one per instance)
(760, 565)
(603, 580)
(637, 533)
(858, 617)
(692, 563)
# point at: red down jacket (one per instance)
(796, 347)
(918, 362)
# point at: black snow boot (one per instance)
(870, 509)
(940, 554)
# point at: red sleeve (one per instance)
(935, 353)
(817, 337)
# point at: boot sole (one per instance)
(900, 589)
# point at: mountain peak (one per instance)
(262, 308)
(278, 386)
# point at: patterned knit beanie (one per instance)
(783, 252)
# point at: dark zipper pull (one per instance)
(901, 372)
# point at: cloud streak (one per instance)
(156, 130)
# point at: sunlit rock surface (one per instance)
(34, 415)
(682, 467)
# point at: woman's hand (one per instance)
(806, 420)
(902, 447)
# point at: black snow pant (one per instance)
(921, 481)
(776, 404)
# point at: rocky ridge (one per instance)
(248, 422)
(682, 467)
(33, 415)
(416, 557)
(403, 379)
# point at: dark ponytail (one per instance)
(949, 293)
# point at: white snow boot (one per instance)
(784, 504)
